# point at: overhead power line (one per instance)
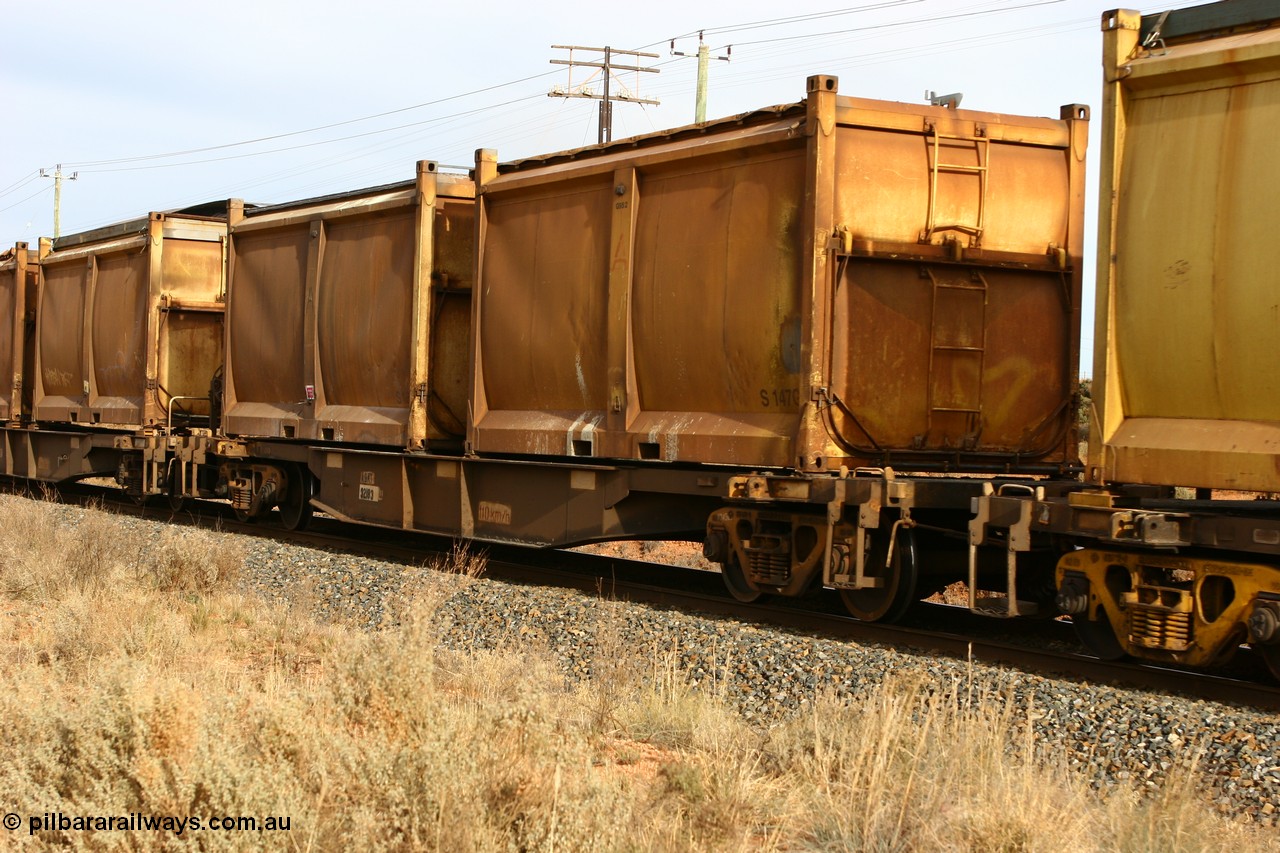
(91, 163)
(892, 24)
(301, 146)
(19, 184)
(41, 191)
(800, 19)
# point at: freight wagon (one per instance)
(834, 341)
(1178, 516)
(733, 333)
(115, 334)
(838, 283)
(360, 303)
(743, 332)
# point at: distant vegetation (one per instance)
(137, 677)
(1084, 392)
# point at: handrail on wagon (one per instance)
(174, 400)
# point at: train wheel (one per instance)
(735, 580)
(295, 509)
(1099, 638)
(889, 602)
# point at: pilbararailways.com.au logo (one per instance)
(135, 822)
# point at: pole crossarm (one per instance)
(610, 66)
(607, 67)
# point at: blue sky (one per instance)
(351, 95)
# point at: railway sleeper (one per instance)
(1176, 609)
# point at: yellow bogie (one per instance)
(1168, 608)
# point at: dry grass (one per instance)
(136, 679)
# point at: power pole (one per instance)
(57, 196)
(606, 98)
(704, 57)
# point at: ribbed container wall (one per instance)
(1186, 367)
(129, 324)
(360, 303)
(19, 289)
(836, 283)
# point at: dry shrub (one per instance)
(148, 685)
(186, 560)
(44, 556)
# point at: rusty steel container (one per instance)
(1186, 367)
(839, 282)
(129, 325)
(19, 282)
(350, 315)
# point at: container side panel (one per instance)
(1196, 310)
(266, 317)
(27, 329)
(119, 333)
(884, 186)
(192, 269)
(1190, 365)
(452, 279)
(936, 357)
(10, 289)
(365, 311)
(191, 352)
(455, 243)
(191, 342)
(1027, 207)
(61, 332)
(716, 303)
(543, 324)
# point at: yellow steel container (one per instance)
(129, 325)
(1186, 359)
(19, 277)
(350, 315)
(838, 282)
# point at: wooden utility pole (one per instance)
(606, 98)
(57, 197)
(704, 61)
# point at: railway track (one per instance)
(1047, 648)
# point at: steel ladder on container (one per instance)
(960, 341)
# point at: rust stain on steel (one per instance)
(19, 277)
(362, 301)
(733, 336)
(150, 290)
